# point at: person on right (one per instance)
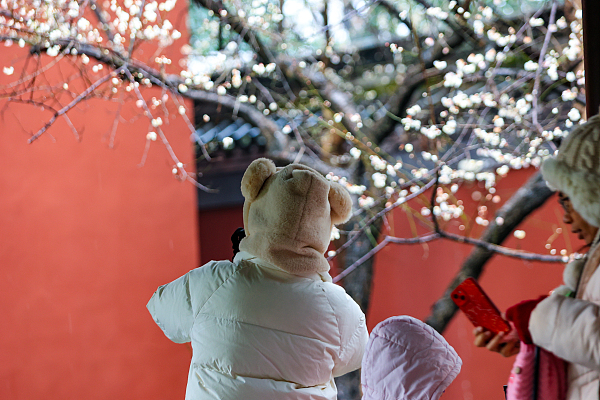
(567, 323)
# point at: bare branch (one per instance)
(528, 198)
(275, 139)
(380, 214)
(72, 104)
(538, 72)
(388, 239)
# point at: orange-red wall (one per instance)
(86, 237)
(216, 227)
(408, 279)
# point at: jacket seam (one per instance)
(337, 322)
(260, 326)
(237, 271)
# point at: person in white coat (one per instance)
(406, 359)
(270, 324)
(567, 323)
(570, 327)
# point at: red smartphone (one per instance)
(478, 307)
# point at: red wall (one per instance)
(216, 227)
(408, 279)
(87, 237)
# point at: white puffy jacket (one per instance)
(570, 328)
(259, 332)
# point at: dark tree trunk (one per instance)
(358, 286)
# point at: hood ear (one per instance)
(341, 203)
(255, 176)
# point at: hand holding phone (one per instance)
(478, 307)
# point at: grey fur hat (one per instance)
(575, 171)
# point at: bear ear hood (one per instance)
(255, 176)
(341, 203)
(289, 213)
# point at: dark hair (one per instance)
(236, 238)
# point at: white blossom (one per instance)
(530, 66)
(366, 202)
(335, 233)
(228, 142)
(431, 132)
(355, 153)
(574, 115)
(440, 64)
(450, 127)
(151, 136)
(377, 163)
(452, 79)
(379, 179)
(519, 234)
(568, 95)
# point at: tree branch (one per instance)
(527, 199)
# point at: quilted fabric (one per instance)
(406, 359)
(259, 332)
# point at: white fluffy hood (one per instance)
(289, 213)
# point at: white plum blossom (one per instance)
(379, 179)
(431, 132)
(450, 127)
(534, 22)
(440, 64)
(377, 163)
(519, 234)
(568, 95)
(228, 142)
(574, 115)
(490, 55)
(530, 66)
(452, 79)
(335, 233)
(366, 202)
(414, 110)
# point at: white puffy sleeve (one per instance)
(353, 332)
(569, 328)
(171, 309)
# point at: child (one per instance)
(270, 324)
(406, 359)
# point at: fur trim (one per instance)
(572, 272)
(582, 187)
(562, 290)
